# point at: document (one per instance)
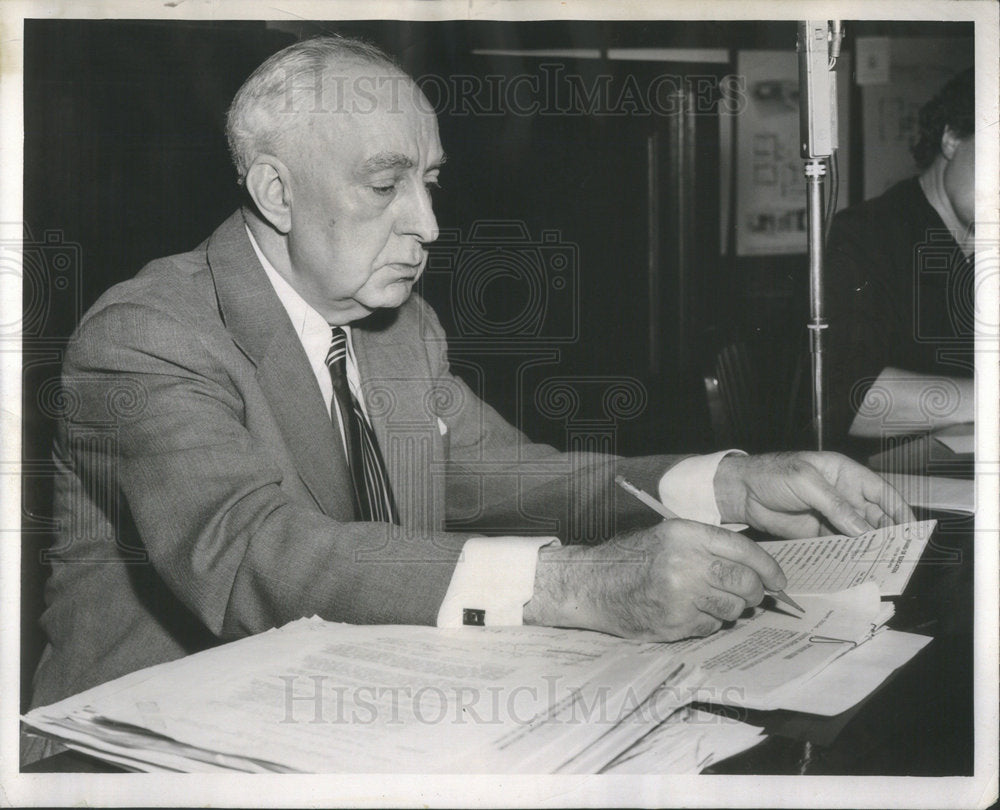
(774, 647)
(959, 439)
(936, 492)
(851, 678)
(885, 557)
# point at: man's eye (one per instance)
(384, 191)
(432, 185)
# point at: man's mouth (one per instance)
(408, 271)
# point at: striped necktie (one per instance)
(372, 494)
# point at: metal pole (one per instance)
(815, 169)
(817, 45)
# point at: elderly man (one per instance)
(267, 428)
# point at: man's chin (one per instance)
(390, 297)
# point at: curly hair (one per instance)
(953, 107)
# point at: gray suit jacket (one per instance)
(203, 494)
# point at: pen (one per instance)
(658, 507)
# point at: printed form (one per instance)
(885, 556)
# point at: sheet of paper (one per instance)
(896, 404)
(936, 492)
(773, 647)
(852, 677)
(958, 438)
(139, 750)
(686, 743)
(828, 564)
(659, 708)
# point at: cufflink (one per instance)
(473, 617)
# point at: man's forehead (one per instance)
(354, 87)
(387, 141)
(379, 139)
(371, 118)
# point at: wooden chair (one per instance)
(753, 392)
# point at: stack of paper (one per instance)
(686, 743)
(316, 696)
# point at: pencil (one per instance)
(658, 507)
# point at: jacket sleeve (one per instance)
(206, 497)
(498, 480)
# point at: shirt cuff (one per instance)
(494, 579)
(688, 488)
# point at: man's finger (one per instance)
(737, 548)
(871, 487)
(818, 494)
(705, 625)
(736, 579)
(721, 605)
(879, 491)
(876, 517)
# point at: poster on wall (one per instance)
(897, 77)
(771, 190)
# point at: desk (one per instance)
(920, 722)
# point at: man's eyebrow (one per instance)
(386, 160)
(395, 160)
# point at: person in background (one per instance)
(899, 287)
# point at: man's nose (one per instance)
(417, 218)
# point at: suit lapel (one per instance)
(260, 326)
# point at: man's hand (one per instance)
(668, 582)
(805, 495)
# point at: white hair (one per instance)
(255, 123)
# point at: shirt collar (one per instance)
(311, 328)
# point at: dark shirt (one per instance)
(899, 292)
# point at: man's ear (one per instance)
(949, 143)
(267, 183)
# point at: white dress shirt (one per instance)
(475, 589)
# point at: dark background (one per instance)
(125, 160)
